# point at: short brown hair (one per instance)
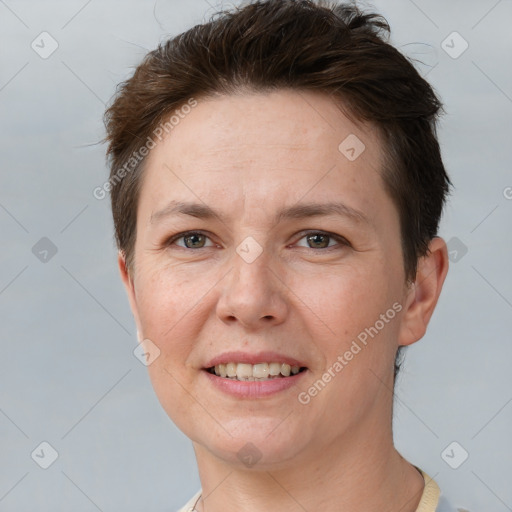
(266, 45)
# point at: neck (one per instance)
(357, 472)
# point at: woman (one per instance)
(276, 187)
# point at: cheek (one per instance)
(345, 298)
(168, 309)
(168, 306)
(344, 308)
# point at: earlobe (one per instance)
(130, 289)
(123, 270)
(424, 293)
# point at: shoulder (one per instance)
(433, 500)
(189, 506)
(445, 506)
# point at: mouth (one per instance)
(255, 372)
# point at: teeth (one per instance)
(244, 371)
(260, 371)
(231, 369)
(275, 368)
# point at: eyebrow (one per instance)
(298, 211)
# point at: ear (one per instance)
(130, 291)
(424, 292)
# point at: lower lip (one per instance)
(253, 388)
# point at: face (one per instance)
(273, 274)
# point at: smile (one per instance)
(254, 372)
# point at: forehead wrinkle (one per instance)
(298, 211)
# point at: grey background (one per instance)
(68, 375)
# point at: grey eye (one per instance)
(191, 240)
(194, 240)
(318, 240)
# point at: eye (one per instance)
(314, 239)
(320, 240)
(192, 240)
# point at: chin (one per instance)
(254, 443)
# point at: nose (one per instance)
(253, 294)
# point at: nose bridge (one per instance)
(252, 266)
(252, 291)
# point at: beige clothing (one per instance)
(428, 502)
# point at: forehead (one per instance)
(260, 149)
(292, 121)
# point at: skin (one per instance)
(248, 156)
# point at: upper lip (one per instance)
(255, 358)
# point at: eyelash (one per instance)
(341, 240)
